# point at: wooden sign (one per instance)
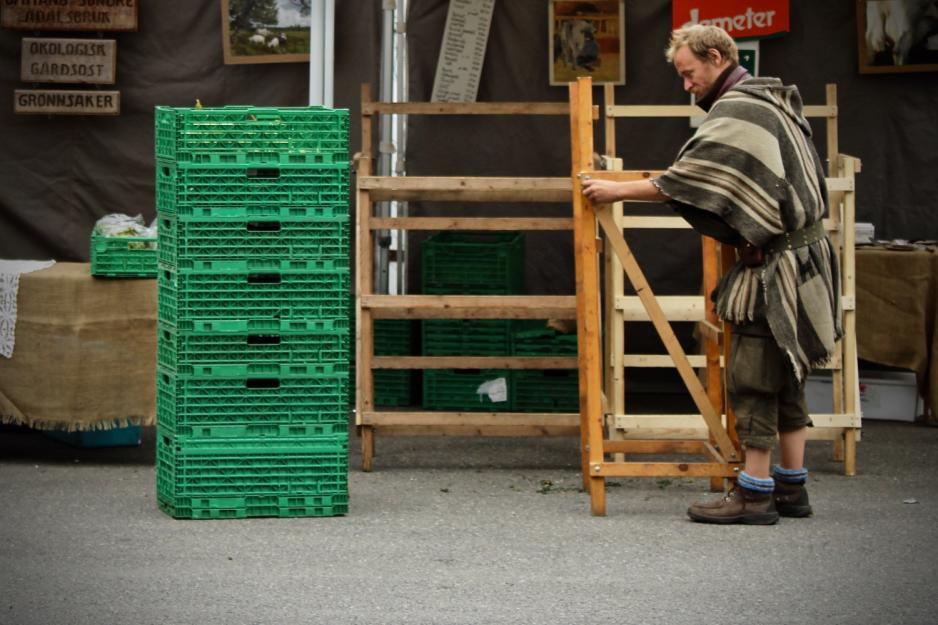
(92, 61)
(62, 102)
(95, 15)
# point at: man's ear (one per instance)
(714, 56)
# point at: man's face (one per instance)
(698, 76)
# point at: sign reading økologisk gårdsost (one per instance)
(742, 19)
(83, 61)
(59, 15)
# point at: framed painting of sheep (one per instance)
(587, 39)
(897, 36)
(265, 31)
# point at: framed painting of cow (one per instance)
(587, 39)
(897, 36)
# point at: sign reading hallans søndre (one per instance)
(89, 61)
(61, 102)
(95, 15)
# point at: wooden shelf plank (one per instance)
(473, 362)
(471, 223)
(469, 108)
(470, 306)
(466, 189)
(400, 418)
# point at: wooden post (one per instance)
(850, 166)
(587, 276)
(364, 326)
(712, 344)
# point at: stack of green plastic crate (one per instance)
(468, 263)
(253, 325)
(543, 390)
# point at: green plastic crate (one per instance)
(294, 467)
(123, 257)
(256, 289)
(473, 263)
(254, 506)
(228, 233)
(551, 390)
(270, 340)
(225, 185)
(185, 403)
(183, 133)
(535, 338)
(469, 337)
(454, 389)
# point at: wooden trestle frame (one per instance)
(679, 434)
(371, 306)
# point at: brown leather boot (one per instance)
(791, 500)
(740, 505)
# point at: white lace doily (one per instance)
(10, 272)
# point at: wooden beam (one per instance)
(470, 306)
(690, 110)
(473, 362)
(586, 266)
(466, 189)
(469, 108)
(633, 423)
(674, 307)
(472, 223)
(508, 431)
(665, 469)
(469, 419)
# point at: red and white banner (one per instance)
(742, 19)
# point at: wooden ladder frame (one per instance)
(370, 306)
(680, 434)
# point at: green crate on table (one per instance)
(234, 232)
(473, 263)
(123, 257)
(455, 389)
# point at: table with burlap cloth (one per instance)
(85, 355)
(897, 314)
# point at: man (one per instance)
(750, 177)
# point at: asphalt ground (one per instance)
(468, 530)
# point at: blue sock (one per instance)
(756, 484)
(790, 476)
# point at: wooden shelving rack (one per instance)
(710, 433)
(370, 305)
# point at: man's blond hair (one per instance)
(700, 39)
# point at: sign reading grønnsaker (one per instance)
(94, 15)
(89, 61)
(742, 19)
(62, 102)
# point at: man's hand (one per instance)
(607, 191)
(601, 191)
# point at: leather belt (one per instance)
(796, 239)
(753, 256)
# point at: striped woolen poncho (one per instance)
(752, 163)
